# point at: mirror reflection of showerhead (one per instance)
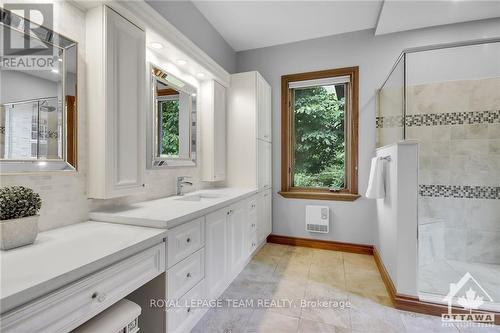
(47, 108)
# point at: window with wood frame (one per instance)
(319, 132)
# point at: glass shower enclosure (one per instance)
(448, 99)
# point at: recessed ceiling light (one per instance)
(181, 62)
(156, 45)
(200, 75)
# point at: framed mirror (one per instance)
(38, 81)
(172, 120)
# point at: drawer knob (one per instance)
(188, 240)
(188, 275)
(188, 310)
(100, 297)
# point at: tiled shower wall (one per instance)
(458, 126)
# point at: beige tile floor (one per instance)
(299, 277)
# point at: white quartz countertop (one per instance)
(172, 211)
(64, 255)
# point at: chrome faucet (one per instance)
(181, 181)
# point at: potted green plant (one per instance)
(19, 208)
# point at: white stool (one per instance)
(122, 317)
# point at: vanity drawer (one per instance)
(67, 308)
(186, 274)
(183, 318)
(185, 240)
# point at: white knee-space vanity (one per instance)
(73, 273)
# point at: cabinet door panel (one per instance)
(263, 110)
(237, 234)
(268, 112)
(264, 165)
(268, 217)
(219, 132)
(216, 251)
(125, 73)
(264, 221)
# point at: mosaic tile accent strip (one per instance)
(460, 191)
(439, 119)
(390, 121)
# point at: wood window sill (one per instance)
(319, 195)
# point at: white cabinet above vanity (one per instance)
(116, 76)
(213, 135)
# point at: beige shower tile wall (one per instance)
(454, 96)
(460, 155)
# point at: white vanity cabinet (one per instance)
(238, 231)
(216, 252)
(249, 152)
(185, 274)
(212, 101)
(116, 76)
(264, 214)
(231, 239)
(73, 284)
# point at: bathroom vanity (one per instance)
(211, 236)
(71, 274)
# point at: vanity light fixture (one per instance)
(200, 75)
(156, 45)
(181, 62)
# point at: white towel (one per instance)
(376, 184)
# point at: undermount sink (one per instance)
(199, 197)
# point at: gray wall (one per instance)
(191, 22)
(351, 221)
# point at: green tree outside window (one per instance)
(169, 134)
(319, 137)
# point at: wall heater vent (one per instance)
(317, 219)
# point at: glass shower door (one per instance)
(453, 110)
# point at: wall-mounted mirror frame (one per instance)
(188, 96)
(65, 55)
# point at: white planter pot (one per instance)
(18, 232)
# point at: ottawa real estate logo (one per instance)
(469, 295)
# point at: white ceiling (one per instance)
(408, 15)
(254, 24)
